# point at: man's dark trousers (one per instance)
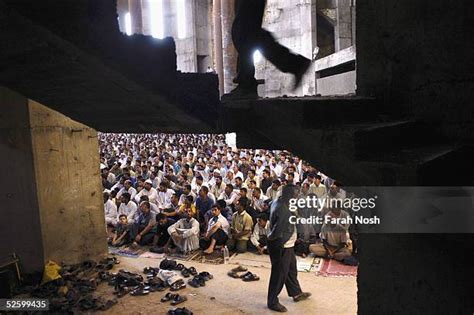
(284, 272)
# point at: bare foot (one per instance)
(207, 251)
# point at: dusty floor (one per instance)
(225, 295)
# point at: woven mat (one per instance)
(184, 257)
(215, 258)
(333, 268)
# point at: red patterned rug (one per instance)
(333, 268)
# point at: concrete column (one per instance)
(52, 208)
(229, 59)
(343, 29)
(170, 19)
(216, 13)
(135, 9)
(122, 9)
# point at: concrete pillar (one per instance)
(216, 13)
(51, 202)
(229, 53)
(170, 19)
(135, 9)
(122, 9)
(343, 29)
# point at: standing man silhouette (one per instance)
(280, 245)
(248, 36)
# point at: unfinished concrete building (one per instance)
(388, 102)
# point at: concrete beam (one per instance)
(336, 59)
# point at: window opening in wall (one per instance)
(325, 22)
(156, 18)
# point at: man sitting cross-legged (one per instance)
(184, 234)
(241, 227)
(260, 234)
(334, 234)
(142, 230)
(162, 236)
(217, 231)
(121, 235)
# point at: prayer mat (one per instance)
(185, 257)
(126, 252)
(152, 255)
(308, 264)
(333, 268)
(251, 259)
(215, 258)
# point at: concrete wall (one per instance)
(20, 230)
(417, 56)
(293, 24)
(53, 201)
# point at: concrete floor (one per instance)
(225, 295)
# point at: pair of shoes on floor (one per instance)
(150, 271)
(175, 298)
(141, 289)
(170, 264)
(156, 284)
(107, 263)
(200, 279)
(247, 277)
(178, 285)
(191, 271)
(180, 311)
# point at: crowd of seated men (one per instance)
(181, 193)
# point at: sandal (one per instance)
(122, 291)
(250, 277)
(179, 267)
(178, 299)
(158, 287)
(178, 285)
(108, 304)
(168, 264)
(141, 290)
(197, 282)
(185, 272)
(206, 275)
(193, 271)
(194, 283)
(168, 297)
(234, 275)
(239, 269)
(180, 311)
(150, 271)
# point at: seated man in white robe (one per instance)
(184, 234)
(110, 210)
(127, 207)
